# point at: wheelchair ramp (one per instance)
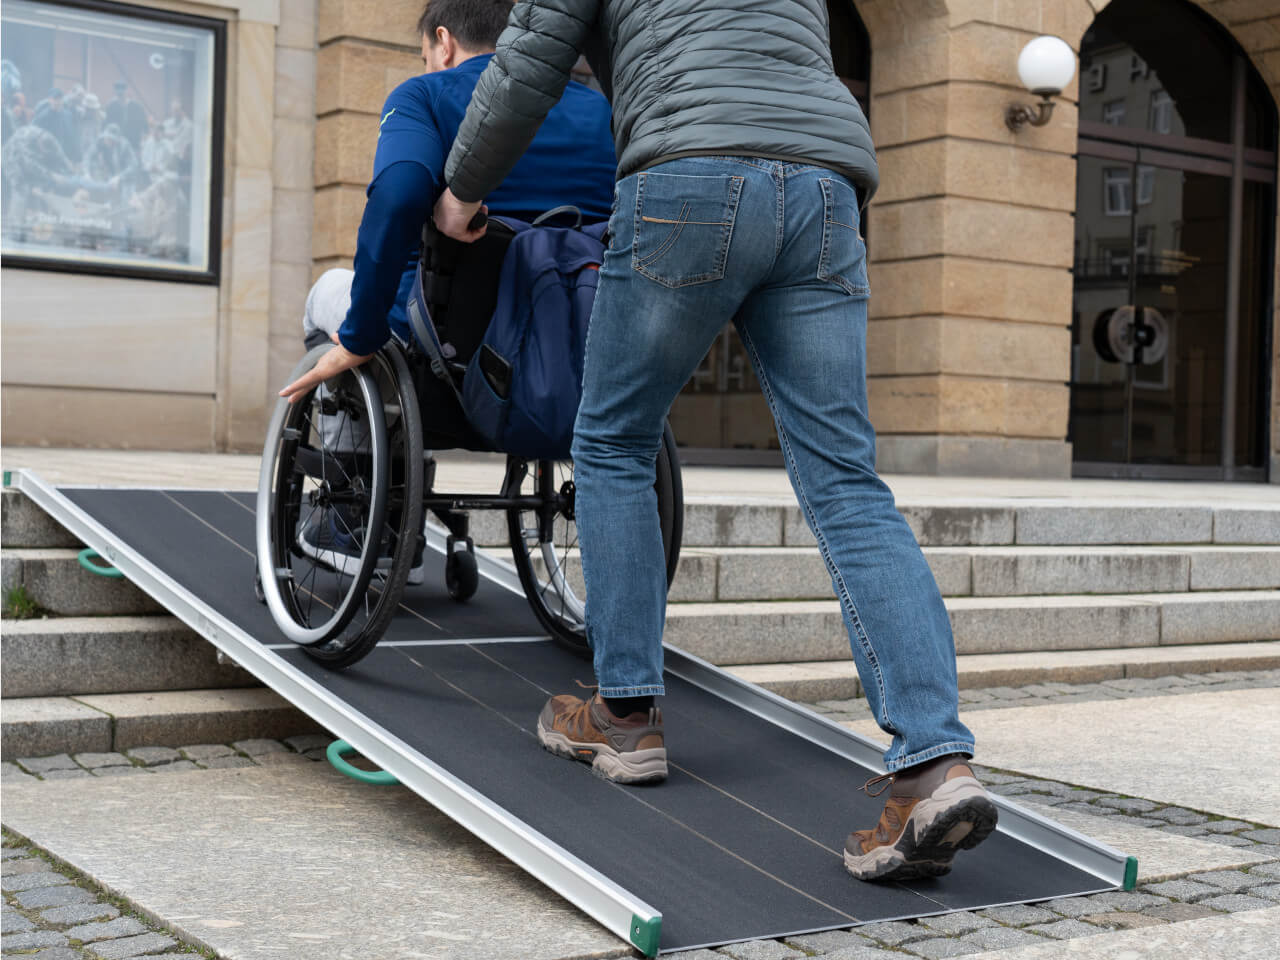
(742, 841)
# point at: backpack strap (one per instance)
(424, 332)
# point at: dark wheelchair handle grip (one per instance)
(478, 221)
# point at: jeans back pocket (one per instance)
(843, 259)
(683, 226)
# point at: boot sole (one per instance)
(958, 816)
(636, 766)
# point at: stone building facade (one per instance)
(983, 332)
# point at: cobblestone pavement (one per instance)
(52, 913)
(1186, 898)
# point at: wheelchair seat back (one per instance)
(460, 286)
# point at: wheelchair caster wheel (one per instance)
(461, 575)
(258, 593)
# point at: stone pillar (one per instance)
(970, 241)
(366, 49)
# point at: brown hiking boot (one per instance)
(622, 749)
(933, 810)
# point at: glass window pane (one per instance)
(107, 142)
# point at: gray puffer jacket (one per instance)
(686, 77)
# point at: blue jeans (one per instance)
(775, 247)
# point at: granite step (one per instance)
(39, 726)
(65, 656)
(810, 630)
(838, 679)
(56, 582)
(24, 524)
(975, 522)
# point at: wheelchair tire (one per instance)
(321, 596)
(461, 573)
(403, 528)
(549, 543)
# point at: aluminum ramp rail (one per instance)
(742, 841)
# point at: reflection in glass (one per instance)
(107, 137)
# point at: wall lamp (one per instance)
(1045, 66)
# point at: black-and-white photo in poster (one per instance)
(107, 157)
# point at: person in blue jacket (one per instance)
(570, 160)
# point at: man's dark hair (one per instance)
(475, 24)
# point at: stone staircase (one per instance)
(1038, 591)
(102, 667)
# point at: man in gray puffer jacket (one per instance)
(743, 165)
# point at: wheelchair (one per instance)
(346, 484)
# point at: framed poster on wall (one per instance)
(111, 159)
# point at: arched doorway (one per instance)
(1175, 211)
(721, 416)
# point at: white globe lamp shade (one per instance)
(1046, 65)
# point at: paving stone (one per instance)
(1000, 938)
(1266, 870)
(317, 754)
(1230, 881)
(11, 771)
(1123, 920)
(1077, 907)
(1132, 821)
(110, 930)
(990, 776)
(942, 947)
(1064, 929)
(32, 881)
(1008, 693)
(1269, 835)
(1019, 915)
(59, 761)
(1182, 830)
(893, 933)
(1227, 826)
(151, 756)
(14, 867)
(53, 897)
(955, 924)
(1234, 902)
(1178, 912)
(1085, 808)
(1227, 840)
(206, 751)
(79, 913)
(1179, 815)
(1271, 850)
(1127, 804)
(31, 940)
(1188, 890)
(1085, 796)
(119, 771)
(260, 747)
(1127, 902)
(176, 767)
(11, 921)
(868, 952)
(829, 941)
(58, 953)
(91, 760)
(222, 763)
(307, 741)
(761, 950)
(696, 955)
(75, 774)
(976, 696)
(8, 853)
(1269, 890)
(132, 946)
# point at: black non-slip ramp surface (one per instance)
(742, 841)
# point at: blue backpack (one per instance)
(521, 387)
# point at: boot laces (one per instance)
(885, 781)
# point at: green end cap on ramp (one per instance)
(337, 752)
(645, 934)
(1131, 873)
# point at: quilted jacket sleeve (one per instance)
(523, 81)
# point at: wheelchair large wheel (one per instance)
(544, 544)
(339, 497)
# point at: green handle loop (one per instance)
(338, 750)
(86, 558)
